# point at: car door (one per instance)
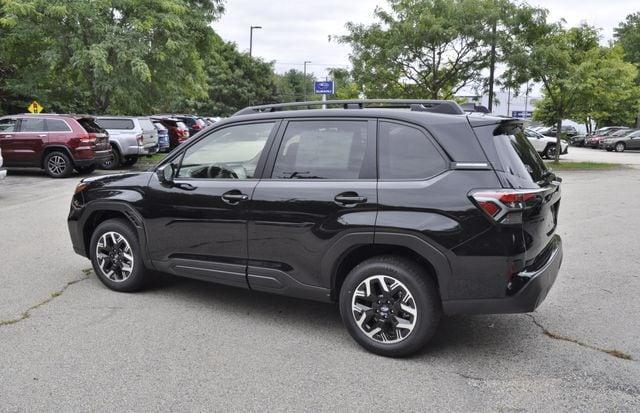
(27, 143)
(197, 227)
(319, 190)
(634, 141)
(8, 127)
(537, 140)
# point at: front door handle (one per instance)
(234, 197)
(42, 136)
(350, 198)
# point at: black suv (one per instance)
(397, 210)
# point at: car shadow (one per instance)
(486, 334)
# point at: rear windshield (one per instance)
(188, 121)
(518, 156)
(145, 123)
(120, 124)
(90, 125)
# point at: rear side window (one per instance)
(90, 125)
(518, 157)
(57, 125)
(116, 124)
(407, 153)
(32, 125)
(322, 150)
(145, 124)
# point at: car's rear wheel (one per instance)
(58, 165)
(112, 163)
(620, 147)
(116, 256)
(390, 305)
(550, 151)
(130, 161)
(86, 169)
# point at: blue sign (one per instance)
(323, 88)
(521, 114)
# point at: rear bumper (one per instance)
(526, 300)
(149, 149)
(98, 157)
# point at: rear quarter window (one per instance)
(90, 125)
(518, 157)
(116, 124)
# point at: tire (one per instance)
(58, 165)
(550, 151)
(83, 170)
(127, 254)
(409, 279)
(114, 162)
(620, 147)
(609, 149)
(130, 161)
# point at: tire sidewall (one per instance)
(115, 161)
(426, 300)
(136, 279)
(68, 165)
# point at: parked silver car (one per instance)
(3, 172)
(130, 137)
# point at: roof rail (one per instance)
(419, 105)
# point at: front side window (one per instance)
(32, 125)
(407, 153)
(229, 153)
(7, 125)
(322, 150)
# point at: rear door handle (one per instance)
(350, 198)
(234, 197)
(42, 136)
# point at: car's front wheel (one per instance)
(116, 256)
(113, 162)
(550, 151)
(390, 305)
(620, 147)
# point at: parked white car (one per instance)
(130, 138)
(3, 172)
(545, 145)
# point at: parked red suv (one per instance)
(178, 131)
(57, 143)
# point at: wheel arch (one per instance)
(55, 148)
(100, 212)
(405, 245)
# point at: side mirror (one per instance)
(166, 173)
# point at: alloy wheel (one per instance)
(620, 147)
(57, 165)
(114, 256)
(384, 309)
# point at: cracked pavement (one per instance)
(189, 345)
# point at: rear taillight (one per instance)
(140, 139)
(88, 140)
(506, 205)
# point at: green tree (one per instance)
(422, 48)
(234, 80)
(116, 56)
(550, 55)
(345, 86)
(291, 86)
(627, 35)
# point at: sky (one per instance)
(295, 31)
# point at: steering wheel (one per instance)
(221, 170)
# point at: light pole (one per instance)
(305, 79)
(251, 39)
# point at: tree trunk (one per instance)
(492, 66)
(558, 140)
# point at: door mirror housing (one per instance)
(166, 173)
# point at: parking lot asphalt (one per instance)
(69, 344)
(577, 154)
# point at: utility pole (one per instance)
(492, 65)
(305, 79)
(251, 38)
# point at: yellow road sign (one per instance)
(35, 107)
